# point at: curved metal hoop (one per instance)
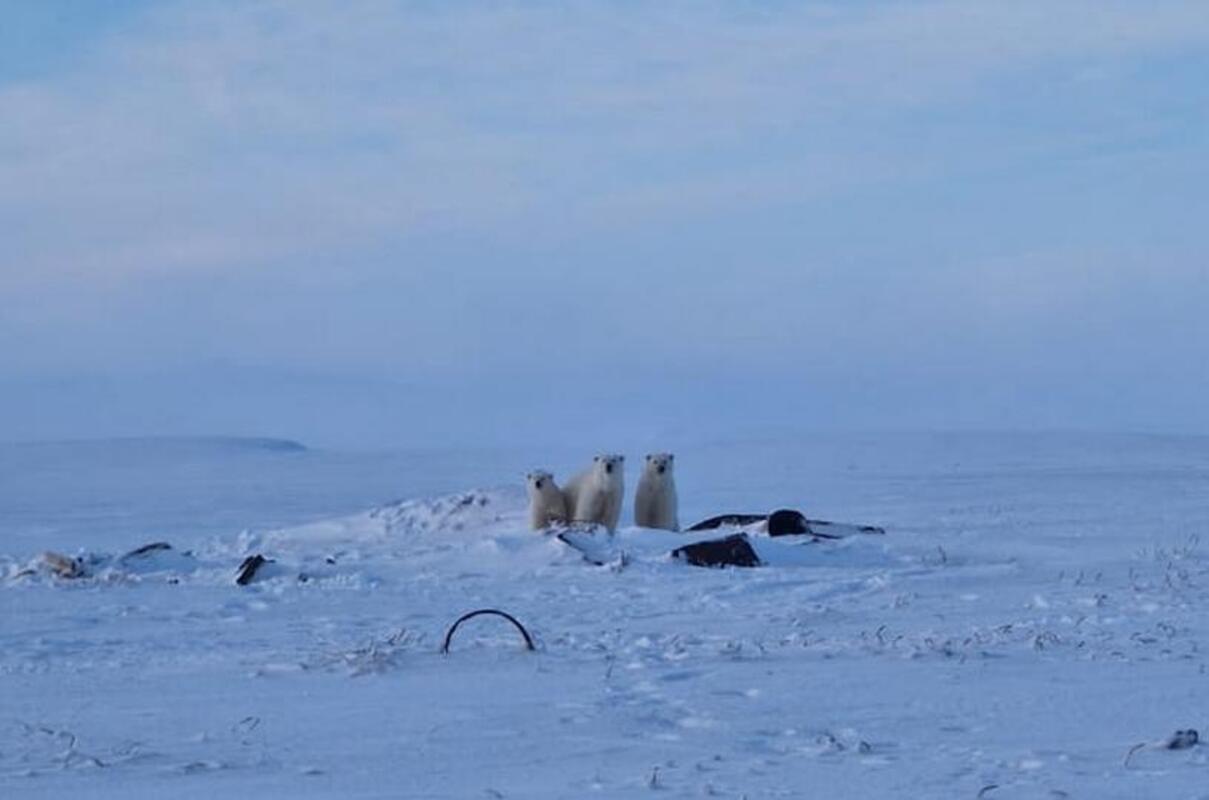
(524, 633)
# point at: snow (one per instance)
(1034, 611)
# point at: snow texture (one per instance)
(1036, 609)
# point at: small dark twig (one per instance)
(524, 633)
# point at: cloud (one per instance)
(224, 136)
(868, 201)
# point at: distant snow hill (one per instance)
(167, 445)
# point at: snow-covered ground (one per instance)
(1038, 606)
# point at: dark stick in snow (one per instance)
(249, 567)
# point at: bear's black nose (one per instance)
(609, 468)
(538, 484)
(662, 469)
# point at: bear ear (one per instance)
(671, 456)
(648, 456)
(596, 458)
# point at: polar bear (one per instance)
(655, 504)
(546, 502)
(595, 494)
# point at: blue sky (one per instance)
(393, 223)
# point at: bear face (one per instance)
(539, 480)
(609, 464)
(659, 464)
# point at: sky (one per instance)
(428, 223)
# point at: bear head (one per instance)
(660, 464)
(609, 465)
(539, 480)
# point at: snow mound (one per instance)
(477, 509)
(474, 532)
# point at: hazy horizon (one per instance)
(419, 224)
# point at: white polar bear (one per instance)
(595, 494)
(546, 502)
(655, 504)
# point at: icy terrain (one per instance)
(1036, 609)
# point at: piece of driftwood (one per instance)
(250, 566)
(493, 612)
(730, 551)
(728, 520)
(146, 550)
(787, 522)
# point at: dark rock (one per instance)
(1182, 740)
(787, 522)
(731, 551)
